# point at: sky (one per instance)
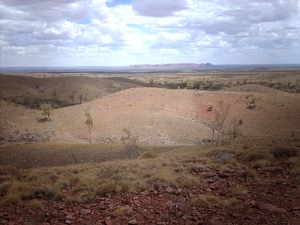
(54, 33)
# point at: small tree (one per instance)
(234, 131)
(47, 108)
(89, 123)
(55, 96)
(221, 115)
(86, 97)
(132, 148)
(72, 96)
(252, 104)
(80, 96)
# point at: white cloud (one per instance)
(109, 32)
(158, 8)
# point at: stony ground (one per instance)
(271, 198)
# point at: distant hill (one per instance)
(170, 66)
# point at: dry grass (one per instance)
(203, 201)
(259, 154)
(238, 192)
(122, 211)
(11, 200)
(273, 169)
(285, 151)
(34, 205)
(148, 155)
(260, 163)
(249, 173)
(172, 166)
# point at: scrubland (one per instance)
(153, 134)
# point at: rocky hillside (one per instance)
(157, 116)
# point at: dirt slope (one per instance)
(156, 116)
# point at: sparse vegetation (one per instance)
(148, 155)
(72, 96)
(285, 151)
(34, 205)
(223, 157)
(89, 123)
(220, 116)
(155, 159)
(133, 150)
(122, 211)
(203, 201)
(47, 108)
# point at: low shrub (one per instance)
(295, 161)
(47, 190)
(11, 200)
(21, 189)
(122, 211)
(186, 181)
(231, 202)
(257, 155)
(4, 187)
(295, 172)
(72, 199)
(261, 163)
(107, 188)
(222, 158)
(34, 205)
(238, 192)
(249, 173)
(273, 169)
(59, 196)
(148, 155)
(203, 201)
(284, 151)
(8, 170)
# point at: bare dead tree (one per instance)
(221, 114)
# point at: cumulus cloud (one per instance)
(158, 8)
(117, 32)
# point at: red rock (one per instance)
(210, 222)
(132, 222)
(39, 196)
(170, 203)
(109, 222)
(169, 190)
(213, 187)
(85, 212)
(69, 217)
(270, 207)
